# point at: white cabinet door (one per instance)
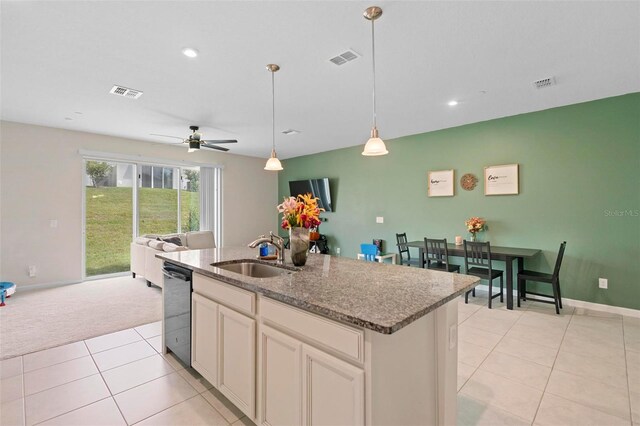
(237, 359)
(280, 378)
(204, 337)
(332, 390)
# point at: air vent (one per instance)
(344, 57)
(545, 82)
(290, 132)
(125, 92)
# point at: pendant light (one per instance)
(375, 145)
(273, 163)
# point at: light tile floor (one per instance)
(530, 366)
(117, 379)
(521, 367)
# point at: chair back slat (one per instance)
(369, 251)
(477, 254)
(403, 249)
(436, 251)
(556, 270)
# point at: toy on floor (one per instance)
(6, 290)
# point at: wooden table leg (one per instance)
(509, 272)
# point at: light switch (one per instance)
(379, 219)
(53, 223)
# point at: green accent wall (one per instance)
(579, 182)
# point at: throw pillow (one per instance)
(156, 244)
(173, 240)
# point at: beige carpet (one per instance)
(40, 319)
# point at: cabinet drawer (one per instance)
(234, 297)
(346, 340)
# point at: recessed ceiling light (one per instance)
(78, 113)
(68, 118)
(190, 52)
(452, 103)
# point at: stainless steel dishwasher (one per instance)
(177, 311)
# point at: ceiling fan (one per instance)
(195, 140)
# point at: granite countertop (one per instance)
(378, 296)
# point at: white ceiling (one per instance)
(59, 58)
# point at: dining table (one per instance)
(506, 254)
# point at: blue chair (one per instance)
(369, 251)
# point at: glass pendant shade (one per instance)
(375, 145)
(273, 163)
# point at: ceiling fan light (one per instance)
(273, 164)
(194, 146)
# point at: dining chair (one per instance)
(369, 252)
(478, 255)
(541, 277)
(403, 250)
(437, 255)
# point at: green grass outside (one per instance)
(109, 224)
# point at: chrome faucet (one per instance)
(279, 244)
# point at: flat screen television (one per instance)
(319, 188)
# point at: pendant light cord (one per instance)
(373, 56)
(273, 111)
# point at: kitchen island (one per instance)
(338, 341)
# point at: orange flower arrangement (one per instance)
(301, 211)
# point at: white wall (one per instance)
(41, 179)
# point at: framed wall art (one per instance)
(440, 183)
(501, 180)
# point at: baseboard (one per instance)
(582, 304)
(602, 308)
(23, 288)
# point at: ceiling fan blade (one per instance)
(165, 136)
(220, 141)
(219, 148)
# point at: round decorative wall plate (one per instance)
(468, 181)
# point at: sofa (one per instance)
(144, 249)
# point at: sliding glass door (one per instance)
(125, 200)
(108, 216)
(190, 199)
(158, 200)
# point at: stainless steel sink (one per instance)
(254, 268)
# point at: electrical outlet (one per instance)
(379, 219)
(338, 251)
(32, 271)
(603, 283)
